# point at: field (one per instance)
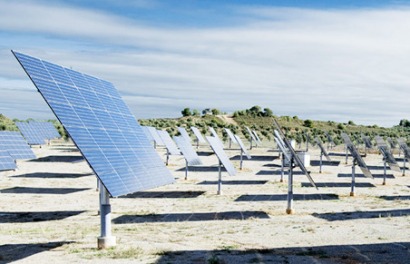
(49, 213)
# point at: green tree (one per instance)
(186, 112)
(195, 112)
(215, 111)
(267, 112)
(308, 123)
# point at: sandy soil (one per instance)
(49, 214)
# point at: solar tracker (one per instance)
(6, 161)
(404, 147)
(356, 156)
(101, 125)
(14, 143)
(184, 134)
(257, 137)
(391, 142)
(32, 136)
(147, 133)
(191, 157)
(198, 135)
(215, 135)
(252, 137)
(281, 145)
(46, 129)
(387, 156)
(331, 143)
(169, 143)
(322, 152)
(285, 157)
(307, 140)
(231, 136)
(154, 134)
(243, 150)
(367, 142)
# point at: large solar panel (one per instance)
(6, 161)
(189, 153)
(169, 143)
(31, 134)
(101, 125)
(387, 156)
(231, 135)
(47, 129)
(360, 162)
(322, 148)
(198, 135)
(220, 153)
(215, 135)
(293, 154)
(242, 146)
(184, 134)
(14, 143)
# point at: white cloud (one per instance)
(317, 64)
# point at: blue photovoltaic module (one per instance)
(6, 161)
(101, 125)
(14, 143)
(32, 135)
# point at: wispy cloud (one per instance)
(317, 64)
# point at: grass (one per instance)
(111, 253)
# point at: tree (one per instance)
(308, 123)
(186, 112)
(195, 112)
(267, 112)
(215, 111)
(404, 123)
(351, 123)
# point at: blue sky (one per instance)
(322, 60)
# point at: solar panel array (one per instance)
(189, 153)
(231, 135)
(147, 133)
(404, 147)
(360, 162)
(169, 143)
(257, 137)
(367, 142)
(251, 134)
(215, 135)
(101, 125)
(184, 134)
(14, 143)
(6, 161)
(46, 129)
(387, 156)
(220, 153)
(242, 146)
(31, 134)
(198, 135)
(322, 148)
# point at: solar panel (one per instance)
(256, 137)
(391, 142)
(330, 139)
(184, 134)
(242, 146)
(367, 142)
(360, 162)
(198, 135)
(322, 148)
(169, 143)
(387, 156)
(14, 143)
(282, 148)
(404, 147)
(293, 154)
(154, 134)
(215, 135)
(231, 135)
(220, 153)
(251, 134)
(32, 136)
(6, 161)
(101, 125)
(147, 133)
(189, 153)
(46, 129)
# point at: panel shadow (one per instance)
(202, 168)
(395, 197)
(283, 197)
(233, 182)
(396, 252)
(172, 194)
(205, 153)
(38, 190)
(255, 158)
(14, 252)
(278, 172)
(342, 216)
(339, 184)
(55, 158)
(184, 217)
(52, 175)
(324, 163)
(360, 175)
(27, 217)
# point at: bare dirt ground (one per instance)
(49, 214)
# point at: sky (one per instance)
(320, 60)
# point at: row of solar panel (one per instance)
(13, 146)
(37, 133)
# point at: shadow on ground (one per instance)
(339, 184)
(183, 217)
(255, 158)
(283, 197)
(395, 197)
(316, 163)
(250, 182)
(278, 172)
(15, 252)
(361, 175)
(398, 252)
(172, 194)
(202, 168)
(41, 190)
(27, 217)
(52, 175)
(59, 159)
(342, 216)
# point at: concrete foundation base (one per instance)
(106, 242)
(351, 193)
(290, 211)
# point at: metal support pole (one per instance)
(385, 173)
(307, 145)
(230, 143)
(251, 142)
(353, 177)
(155, 144)
(98, 185)
(240, 164)
(197, 143)
(321, 161)
(219, 178)
(186, 169)
(404, 165)
(347, 155)
(167, 157)
(106, 240)
(282, 173)
(289, 209)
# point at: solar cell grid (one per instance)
(189, 153)
(32, 136)
(169, 143)
(16, 145)
(6, 161)
(220, 153)
(101, 125)
(155, 136)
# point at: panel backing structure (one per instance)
(14, 143)
(387, 156)
(32, 135)
(360, 162)
(6, 161)
(220, 153)
(101, 125)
